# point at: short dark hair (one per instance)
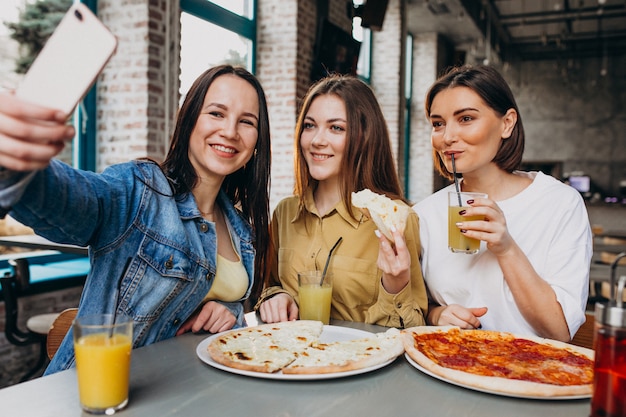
(489, 84)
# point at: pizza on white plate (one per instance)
(294, 347)
(502, 362)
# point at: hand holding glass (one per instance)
(103, 361)
(457, 241)
(315, 299)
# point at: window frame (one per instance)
(212, 13)
(84, 144)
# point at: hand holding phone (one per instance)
(69, 62)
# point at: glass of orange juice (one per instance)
(457, 241)
(315, 299)
(102, 350)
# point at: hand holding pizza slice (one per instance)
(385, 212)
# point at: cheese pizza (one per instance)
(385, 212)
(294, 348)
(501, 362)
(343, 356)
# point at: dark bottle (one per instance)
(609, 380)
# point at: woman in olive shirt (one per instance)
(342, 146)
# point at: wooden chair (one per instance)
(59, 329)
(584, 335)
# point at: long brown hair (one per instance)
(368, 161)
(487, 82)
(248, 187)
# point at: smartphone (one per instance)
(69, 62)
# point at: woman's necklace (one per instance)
(211, 215)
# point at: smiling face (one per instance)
(464, 125)
(225, 134)
(323, 138)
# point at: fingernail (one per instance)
(462, 212)
(393, 228)
(470, 201)
(377, 233)
(463, 230)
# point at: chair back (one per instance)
(584, 335)
(59, 329)
(13, 284)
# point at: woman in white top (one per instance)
(531, 275)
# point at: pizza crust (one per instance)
(502, 385)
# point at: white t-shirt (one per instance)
(549, 222)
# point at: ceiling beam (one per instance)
(539, 18)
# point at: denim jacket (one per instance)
(128, 211)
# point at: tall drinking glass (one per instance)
(457, 241)
(102, 350)
(315, 299)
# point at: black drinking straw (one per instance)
(117, 293)
(456, 181)
(328, 260)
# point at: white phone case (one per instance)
(70, 61)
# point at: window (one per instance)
(408, 97)
(364, 36)
(75, 153)
(83, 149)
(213, 33)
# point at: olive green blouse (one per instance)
(302, 241)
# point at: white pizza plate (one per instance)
(329, 334)
(427, 372)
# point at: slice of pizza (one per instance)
(526, 366)
(265, 348)
(348, 355)
(385, 212)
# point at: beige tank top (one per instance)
(230, 283)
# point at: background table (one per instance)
(168, 379)
(40, 243)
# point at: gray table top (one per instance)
(168, 379)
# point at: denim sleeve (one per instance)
(237, 309)
(12, 187)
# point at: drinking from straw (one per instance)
(456, 181)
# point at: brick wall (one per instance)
(138, 90)
(278, 71)
(421, 174)
(387, 75)
(17, 360)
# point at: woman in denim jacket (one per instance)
(187, 225)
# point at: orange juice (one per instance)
(103, 369)
(315, 302)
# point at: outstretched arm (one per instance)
(30, 135)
